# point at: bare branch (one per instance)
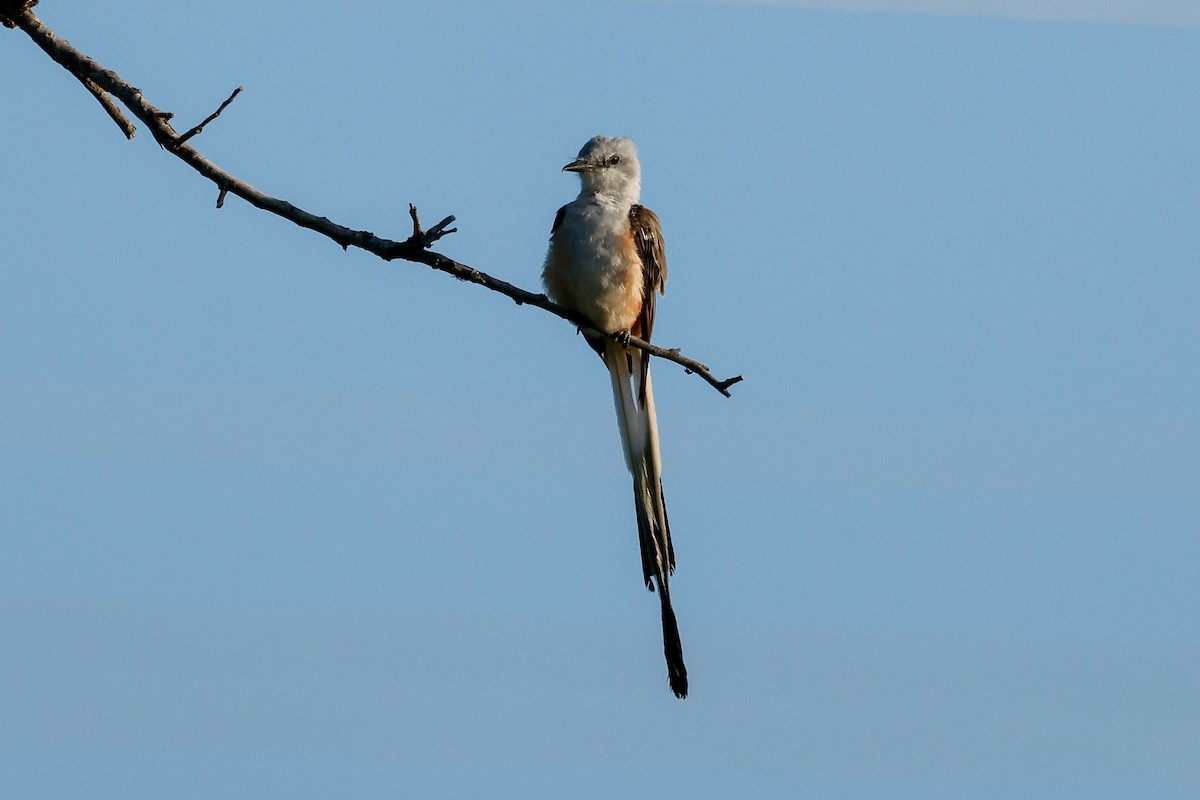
(690, 365)
(16, 13)
(209, 118)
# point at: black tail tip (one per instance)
(672, 647)
(679, 683)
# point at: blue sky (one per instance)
(1147, 12)
(283, 521)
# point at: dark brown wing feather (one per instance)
(648, 238)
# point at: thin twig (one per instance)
(414, 249)
(106, 102)
(440, 230)
(189, 134)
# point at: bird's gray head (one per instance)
(608, 165)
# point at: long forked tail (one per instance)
(634, 399)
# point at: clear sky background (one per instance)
(280, 521)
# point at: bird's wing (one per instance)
(648, 238)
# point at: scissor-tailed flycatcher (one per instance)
(605, 262)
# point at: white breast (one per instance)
(593, 267)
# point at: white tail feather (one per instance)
(629, 418)
(638, 424)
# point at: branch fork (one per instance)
(424, 239)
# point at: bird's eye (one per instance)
(614, 159)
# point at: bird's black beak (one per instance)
(578, 165)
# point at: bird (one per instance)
(606, 262)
